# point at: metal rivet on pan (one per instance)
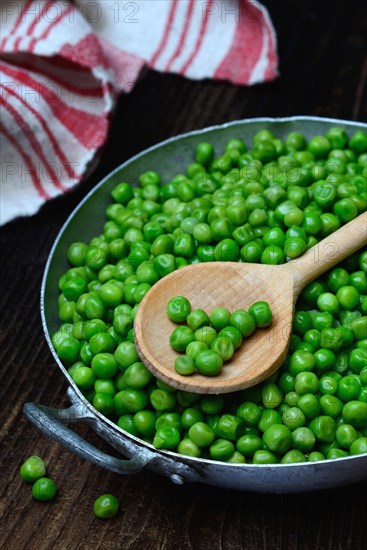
(176, 479)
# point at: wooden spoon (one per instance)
(237, 285)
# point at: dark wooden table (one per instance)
(323, 67)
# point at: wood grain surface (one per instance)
(323, 67)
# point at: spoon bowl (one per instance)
(236, 285)
(226, 284)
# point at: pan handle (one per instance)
(50, 421)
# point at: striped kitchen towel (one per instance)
(63, 63)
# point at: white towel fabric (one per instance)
(62, 65)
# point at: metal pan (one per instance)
(169, 158)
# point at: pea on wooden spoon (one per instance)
(238, 285)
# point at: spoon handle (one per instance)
(328, 252)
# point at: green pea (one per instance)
(164, 264)
(68, 349)
(134, 400)
(291, 399)
(277, 438)
(195, 347)
(286, 382)
(274, 237)
(184, 365)
(44, 489)
(188, 448)
(122, 193)
(137, 376)
(104, 365)
(178, 308)
(202, 233)
(293, 456)
(296, 140)
(32, 469)
(355, 413)
(209, 362)
(272, 255)
(294, 247)
(312, 292)
(358, 142)
(105, 386)
(325, 359)
(302, 322)
(206, 335)
(306, 382)
(230, 427)
(243, 321)
(237, 458)
(301, 361)
(166, 437)
(102, 342)
(323, 428)
(197, 319)
(126, 422)
(315, 456)
(337, 137)
(221, 449)
(106, 506)
(243, 235)
(227, 250)
(162, 400)
(76, 254)
(94, 307)
(345, 435)
(268, 418)
(129, 290)
(359, 328)
(126, 355)
(122, 323)
(328, 385)
(271, 396)
(264, 457)
(204, 153)
(309, 405)
(181, 337)
(319, 146)
(329, 224)
(104, 403)
(201, 434)
(348, 388)
(249, 412)
(328, 302)
(95, 257)
(303, 439)
(149, 178)
(237, 213)
(233, 334)
(224, 347)
(331, 405)
(248, 445)
(184, 246)
(253, 251)
(359, 446)
(205, 253)
(220, 318)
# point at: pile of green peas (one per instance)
(210, 341)
(266, 202)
